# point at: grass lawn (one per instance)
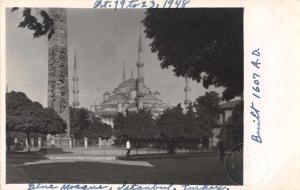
(181, 170)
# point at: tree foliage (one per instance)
(192, 127)
(30, 21)
(84, 124)
(79, 120)
(207, 110)
(206, 44)
(137, 127)
(23, 115)
(97, 129)
(26, 116)
(171, 123)
(176, 127)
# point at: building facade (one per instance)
(231, 131)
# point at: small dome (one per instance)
(106, 93)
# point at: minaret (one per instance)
(75, 83)
(140, 78)
(58, 82)
(124, 71)
(187, 90)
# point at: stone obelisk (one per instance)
(58, 84)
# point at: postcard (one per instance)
(150, 95)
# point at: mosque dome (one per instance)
(130, 83)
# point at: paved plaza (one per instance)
(37, 168)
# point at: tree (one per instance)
(207, 113)
(206, 44)
(97, 129)
(119, 129)
(26, 116)
(176, 127)
(84, 124)
(137, 127)
(193, 133)
(192, 129)
(79, 120)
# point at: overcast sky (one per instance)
(103, 39)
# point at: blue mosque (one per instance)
(130, 95)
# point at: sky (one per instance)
(103, 39)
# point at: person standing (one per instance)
(128, 147)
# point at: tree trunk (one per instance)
(28, 141)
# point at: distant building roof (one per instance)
(106, 93)
(230, 104)
(156, 93)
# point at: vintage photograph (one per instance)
(136, 96)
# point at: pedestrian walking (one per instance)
(128, 147)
